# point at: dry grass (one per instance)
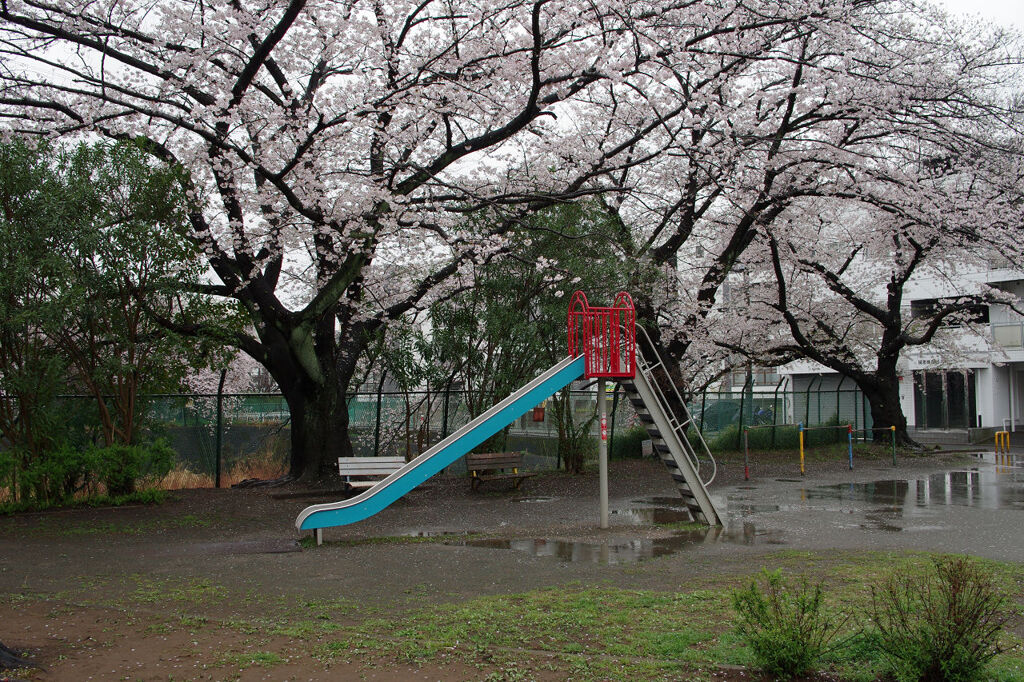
(265, 464)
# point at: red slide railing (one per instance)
(605, 336)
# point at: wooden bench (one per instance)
(370, 470)
(496, 466)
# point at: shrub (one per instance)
(941, 626)
(786, 628)
(119, 467)
(628, 443)
(54, 475)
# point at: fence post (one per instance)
(444, 411)
(775, 410)
(703, 405)
(220, 423)
(807, 399)
(746, 454)
(376, 430)
(849, 436)
(801, 429)
(743, 394)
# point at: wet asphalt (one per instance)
(975, 509)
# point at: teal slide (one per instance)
(444, 453)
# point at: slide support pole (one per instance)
(602, 450)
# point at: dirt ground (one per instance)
(197, 588)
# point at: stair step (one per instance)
(686, 493)
(645, 418)
(654, 432)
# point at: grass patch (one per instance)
(176, 591)
(618, 634)
(263, 659)
(150, 496)
(577, 631)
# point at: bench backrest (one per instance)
(494, 460)
(369, 466)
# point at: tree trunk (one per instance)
(319, 433)
(314, 371)
(883, 396)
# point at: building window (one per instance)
(976, 313)
(945, 400)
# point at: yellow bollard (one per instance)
(1002, 441)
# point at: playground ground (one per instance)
(501, 585)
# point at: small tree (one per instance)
(507, 323)
(95, 256)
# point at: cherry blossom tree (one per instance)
(841, 298)
(337, 145)
(840, 110)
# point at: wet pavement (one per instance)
(978, 509)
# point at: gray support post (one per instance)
(220, 424)
(602, 450)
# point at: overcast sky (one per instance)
(1005, 12)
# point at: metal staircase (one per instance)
(668, 434)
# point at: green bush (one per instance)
(786, 628)
(55, 476)
(627, 443)
(120, 467)
(941, 626)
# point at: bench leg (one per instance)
(318, 533)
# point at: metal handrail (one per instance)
(648, 369)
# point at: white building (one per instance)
(962, 387)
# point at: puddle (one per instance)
(647, 516)
(660, 500)
(532, 500)
(436, 533)
(983, 489)
(790, 480)
(1002, 459)
(631, 551)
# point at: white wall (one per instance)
(907, 397)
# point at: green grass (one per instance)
(579, 631)
(263, 659)
(151, 496)
(641, 634)
(138, 527)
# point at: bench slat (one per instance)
(366, 470)
(378, 467)
(371, 460)
(491, 466)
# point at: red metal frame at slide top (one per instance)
(605, 336)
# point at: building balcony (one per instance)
(1008, 334)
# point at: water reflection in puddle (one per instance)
(1009, 460)
(436, 533)
(630, 551)
(646, 516)
(987, 490)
